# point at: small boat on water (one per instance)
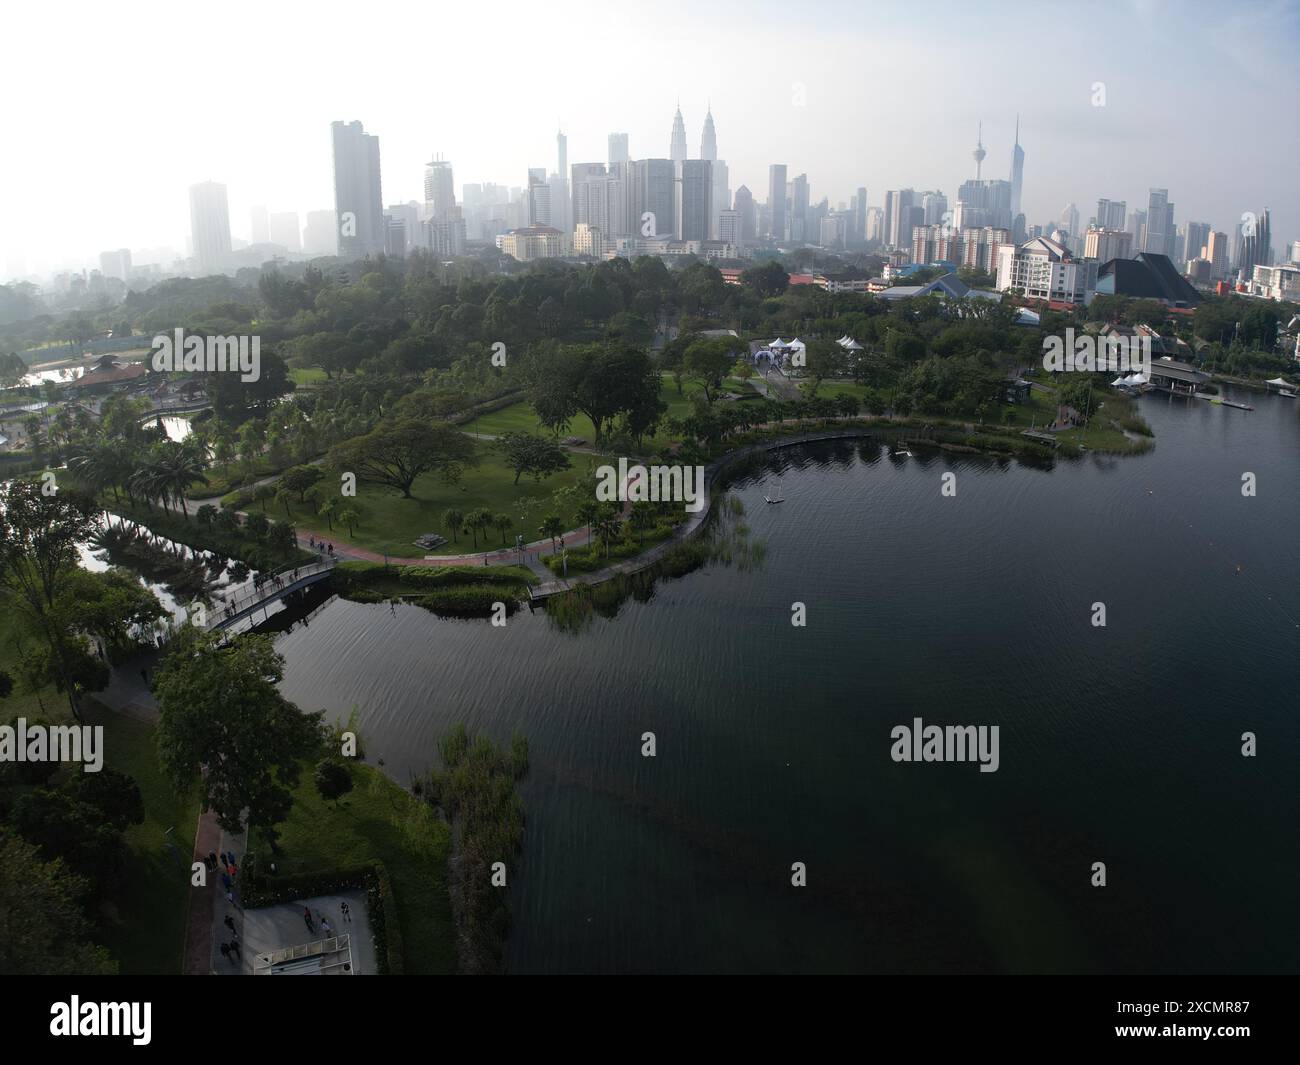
(778, 499)
(902, 452)
(1288, 395)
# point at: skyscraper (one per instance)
(618, 148)
(1197, 235)
(1111, 214)
(439, 189)
(798, 222)
(358, 198)
(561, 209)
(1018, 174)
(744, 207)
(693, 214)
(1160, 224)
(859, 225)
(1256, 241)
(776, 201)
(709, 138)
(677, 152)
(539, 197)
(210, 227)
(652, 196)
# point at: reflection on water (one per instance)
(1118, 744)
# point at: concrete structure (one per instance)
(1277, 282)
(1044, 269)
(1106, 244)
(776, 193)
(535, 242)
(210, 227)
(358, 195)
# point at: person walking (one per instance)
(225, 951)
(306, 916)
(325, 929)
(234, 950)
(347, 915)
(229, 922)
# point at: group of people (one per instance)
(322, 548)
(325, 929)
(229, 870)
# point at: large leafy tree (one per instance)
(532, 454)
(396, 452)
(220, 711)
(39, 535)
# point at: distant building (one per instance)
(1147, 277)
(587, 240)
(210, 227)
(358, 196)
(1216, 251)
(776, 201)
(285, 232)
(1044, 269)
(1159, 235)
(618, 148)
(1111, 214)
(320, 235)
(693, 199)
(116, 264)
(535, 242)
(1106, 244)
(1277, 282)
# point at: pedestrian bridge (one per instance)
(226, 612)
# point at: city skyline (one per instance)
(834, 120)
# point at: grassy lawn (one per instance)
(308, 376)
(377, 819)
(391, 523)
(145, 929)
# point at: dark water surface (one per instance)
(1119, 744)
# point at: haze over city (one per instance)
(1197, 100)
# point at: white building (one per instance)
(1277, 282)
(1044, 269)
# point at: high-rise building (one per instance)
(834, 229)
(730, 227)
(708, 138)
(1256, 244)
(677, 151)
(261, 225)
(439, 189)
(983, 203)
(1106, 244)
(1159, 237)
(1293, 252)
(1216, 251)
(358, 197)
(933, 205)
(210, 227)
(776, 201)
(875, 224)
(116, 264)
(797, 229)
(1018, 175)
(1069, 220)
(1137, 225)
(1195, 237)
(408, 216)
(858, 234)
(1111, 214)
(539, 197)
(285, 232)
(561, 208)
(652, 197)
(693, 199)
(618, 148)
(744, 208)
(898, 217)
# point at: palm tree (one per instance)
(349, 516)
(502, 522)
(553, 527)
(587, 514)
(326, 511)
(284, 497)
(607, 523)
(452, 521)
(478, 519)
(262, 494)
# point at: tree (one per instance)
(708, 362)
(395, 453)
(282, 537)
(824, 358)
(300, 478)
(552, 527)
(453, 521)
(221, 712)
(768, 279)
(43, 927)
(326, 511)
(332, 780)
(477, 520)
(349, 516)
(206, 514)
(642, 518)
(502, 524)
(39, 538)
(257, 523)
(532, 454)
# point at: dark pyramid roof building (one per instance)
(1150, 276)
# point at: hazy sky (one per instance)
(113, 110)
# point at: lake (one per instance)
(1118, 744)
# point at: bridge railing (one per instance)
(271, 588)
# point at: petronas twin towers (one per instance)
(708, 139)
